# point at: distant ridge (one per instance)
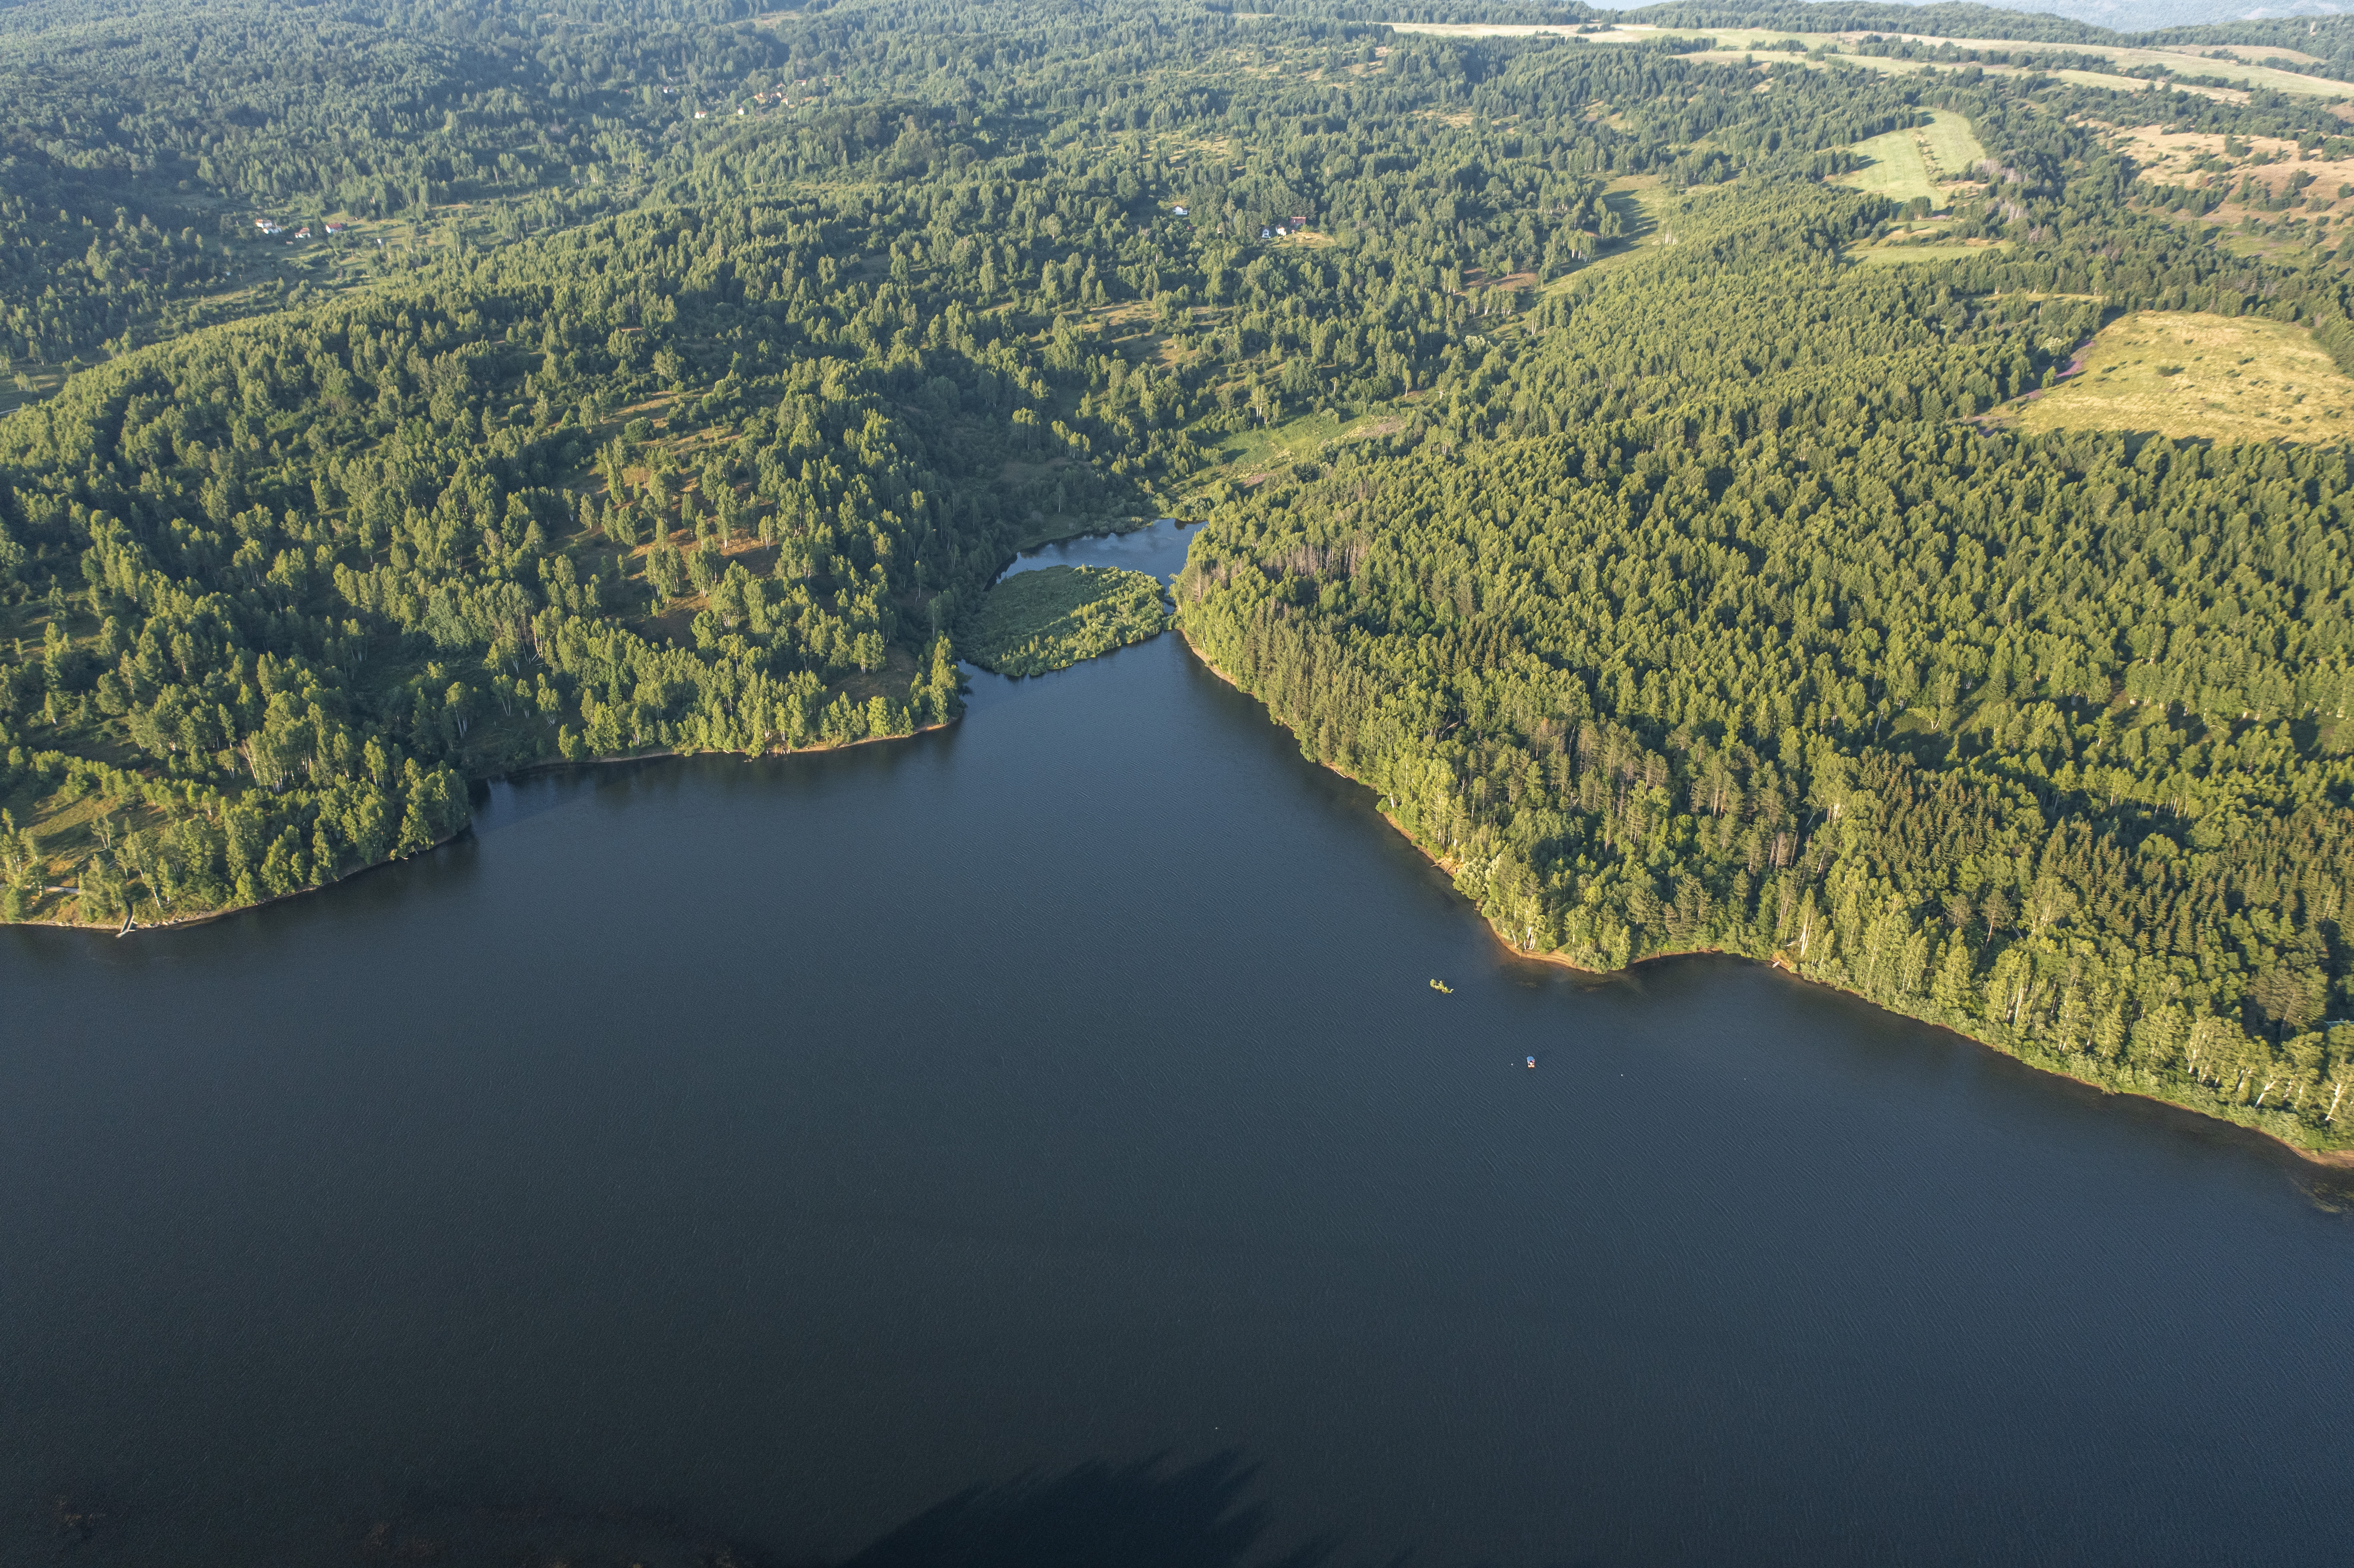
(1952, 20)
(2324, 27)
(2318, 27)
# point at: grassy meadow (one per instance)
(1896, 169)
(2233, 66)
(1252, 454)
(1906, 164)
(2190, 375)
(1951, 146)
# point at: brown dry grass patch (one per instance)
(2189, 375)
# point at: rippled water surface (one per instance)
(1058, 1106)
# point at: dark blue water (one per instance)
(1158, 547)
(1057, 1105)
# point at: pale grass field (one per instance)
(1952, 146)
(2166, 157)
(2241, 71)
(1896, 170)
(1909, 164)
(1252, 453)
(2190, 375)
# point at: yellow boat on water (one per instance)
(1442, 985)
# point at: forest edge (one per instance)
(553, 765)
(2329, 1159)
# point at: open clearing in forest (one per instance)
(2190, 375)
(2240, 67)
(1247, 453)
(1645, 208)
(1252, 454)
(2166, 157)
(1891, 65)
(1895, 169)
(1905, 164)
(1952, 147)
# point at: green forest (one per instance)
(407, 396)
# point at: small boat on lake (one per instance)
(1442, 985)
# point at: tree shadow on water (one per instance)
(1096, 1516)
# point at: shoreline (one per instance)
(182, 922)
(559, 764)
(2326, 1159)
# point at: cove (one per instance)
(773, 1152)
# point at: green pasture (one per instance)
(1907, 164)
(1896, 170)
(1952, 147)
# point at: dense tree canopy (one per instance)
(1742, 632)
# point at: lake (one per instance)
(1039, 1142)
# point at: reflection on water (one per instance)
(1157, 550)
(1145, 1514)
(788, 1146)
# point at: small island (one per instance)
(1034, 623)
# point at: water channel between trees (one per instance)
(1057, 1105)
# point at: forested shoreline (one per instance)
(1601, 456)
(2034, 737)
(1957, 1020)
